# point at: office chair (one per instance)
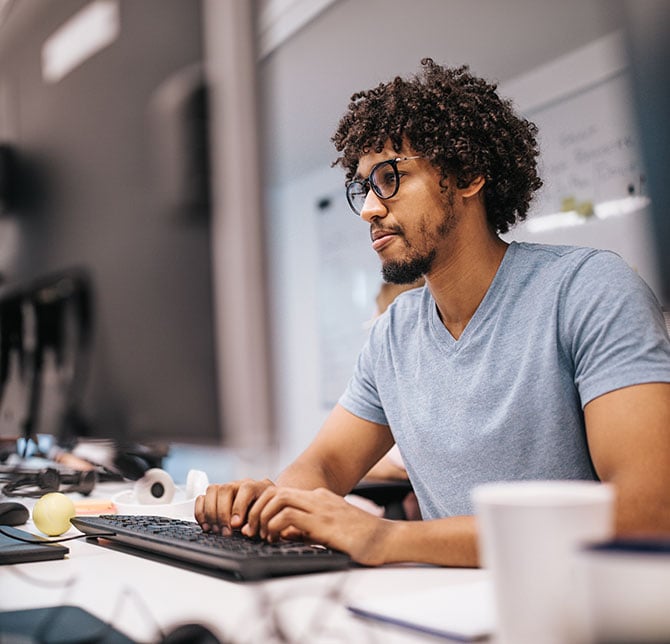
(387, 494)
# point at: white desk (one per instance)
(139, 595)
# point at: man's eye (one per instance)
(386, 181)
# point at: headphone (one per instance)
(35, 484)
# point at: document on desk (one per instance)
(458, 612)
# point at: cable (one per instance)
(39, 541)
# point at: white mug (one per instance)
(529, 535)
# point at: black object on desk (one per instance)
(185, 542)
(13, 513)
(13, 551)
(58, 625)
(388, 494)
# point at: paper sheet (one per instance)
(458, 612)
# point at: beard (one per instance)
(406, 271)
(409, 270)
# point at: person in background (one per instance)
(388, 291)
(515, 361)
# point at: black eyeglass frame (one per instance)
(371, 184)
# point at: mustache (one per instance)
(379, 231)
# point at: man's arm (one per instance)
(335, 461)
(628, 431)
(308, 499)
(321, 516)
(389, 467)
(343, 450)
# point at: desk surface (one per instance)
(139, 596)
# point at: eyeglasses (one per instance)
(384, 180)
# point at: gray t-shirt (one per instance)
(558, 327)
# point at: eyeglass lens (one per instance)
(384, 182)
(384, 179)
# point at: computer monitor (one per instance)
(112, 131)
(649, 48)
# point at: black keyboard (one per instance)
(185, 542)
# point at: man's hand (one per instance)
(319, 516)
(224, 508)
(260, 508)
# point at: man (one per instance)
(515, 361)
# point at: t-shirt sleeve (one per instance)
(361, 396)
(612, 328)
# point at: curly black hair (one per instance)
(460, 124)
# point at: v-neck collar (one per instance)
(484, 311)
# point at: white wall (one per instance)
(294, 289)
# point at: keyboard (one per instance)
(184, 542)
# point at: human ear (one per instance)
(473, 187)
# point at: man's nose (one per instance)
(373, 207)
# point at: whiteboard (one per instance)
(589, 150)
(348, 281)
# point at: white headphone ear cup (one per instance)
(155, 487)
